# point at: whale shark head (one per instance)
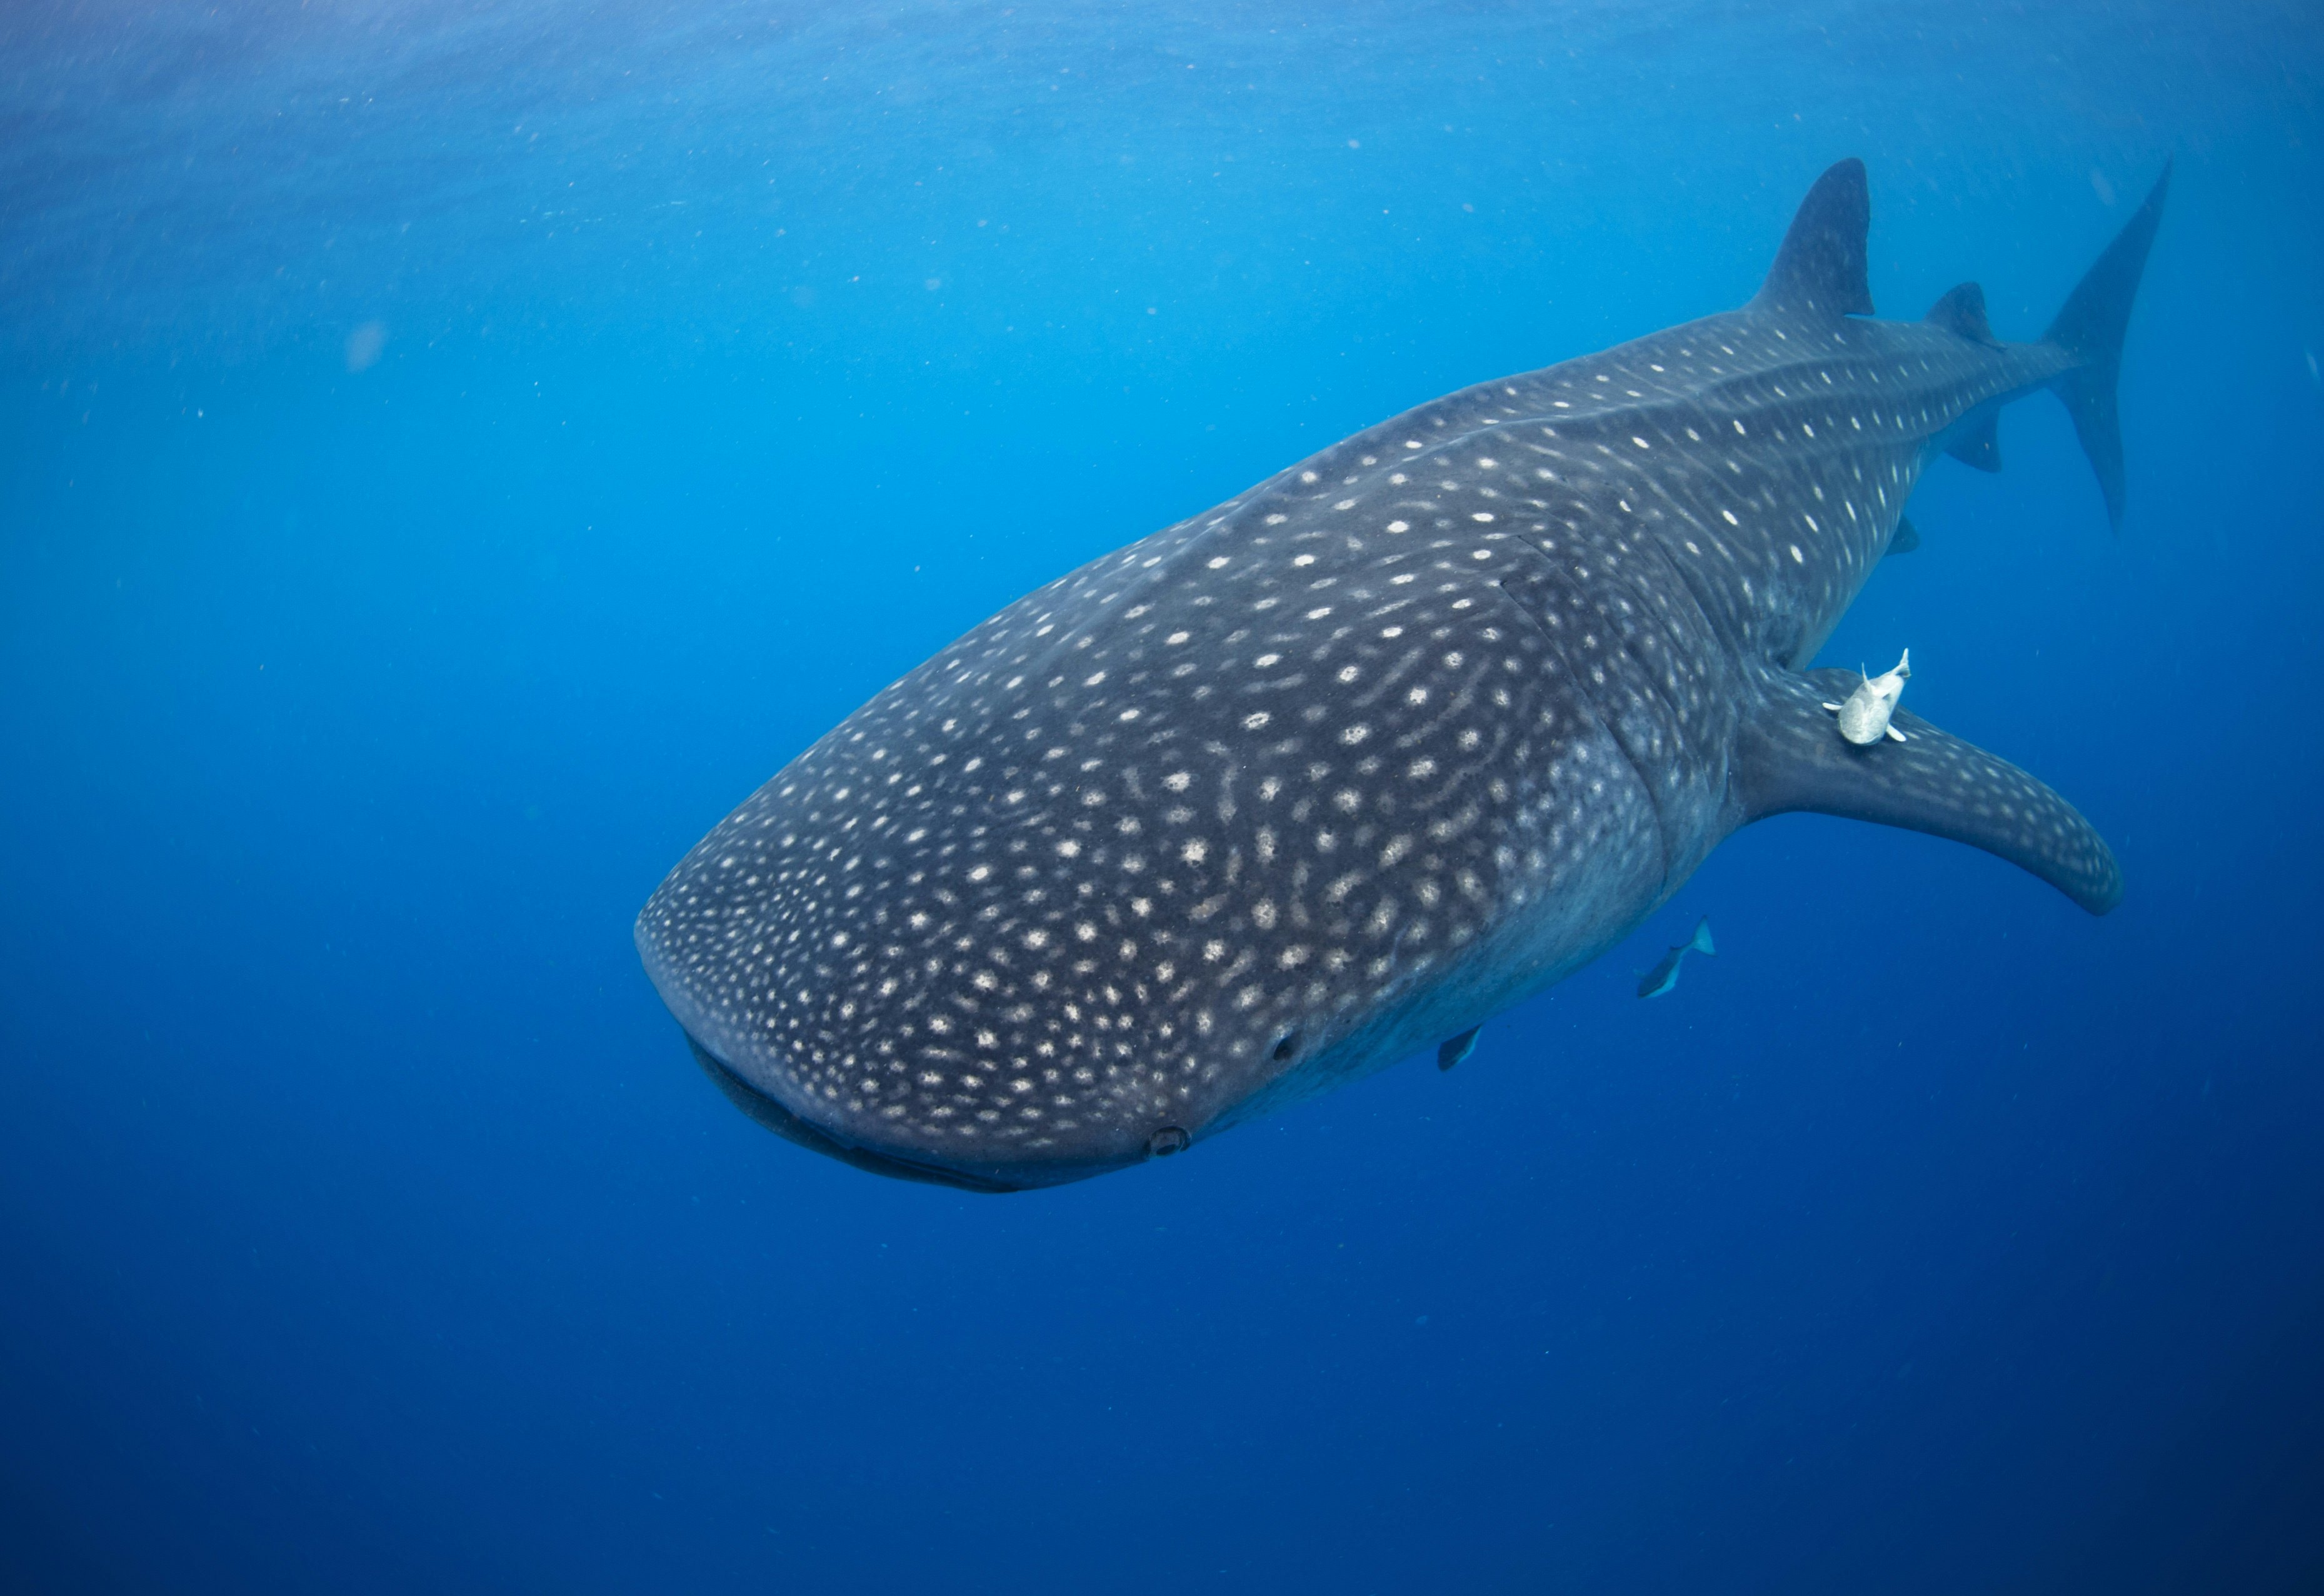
(988, 933)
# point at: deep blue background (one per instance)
(363, 1224)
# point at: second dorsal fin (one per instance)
(1962, 311)
(1819, 271)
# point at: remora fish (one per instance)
(1293, 788)
(1664, 974)
(1867, 714)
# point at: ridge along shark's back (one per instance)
(1343, 767)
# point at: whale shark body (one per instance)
(1305, 783)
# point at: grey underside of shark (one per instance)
(1344, 766)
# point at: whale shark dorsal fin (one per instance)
(1979, 444)
(1820, 271)
(1787, 761)
(1962, 311)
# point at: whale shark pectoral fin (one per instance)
(1452, 1052)
(1980, 445)
(1787, 760)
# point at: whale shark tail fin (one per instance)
(2091, 327)
(1790, 759)
(1819, 271)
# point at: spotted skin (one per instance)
(1345, 765)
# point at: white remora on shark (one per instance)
(1864, 718)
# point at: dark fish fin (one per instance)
(1962, 311)
(1905, 538)
(2090, 328)
(1664, 976)
(1790, 758)
(1819, 271)
(1980, 445)
(1452, 1052)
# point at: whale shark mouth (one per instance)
(794, 1128)
(790, 1127)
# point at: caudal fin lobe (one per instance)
(2089, 328)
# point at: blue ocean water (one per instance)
(452, 453)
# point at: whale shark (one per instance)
(1301, 785)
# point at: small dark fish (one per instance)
(1665, 975)
(1905, 538)
(1449, 1054)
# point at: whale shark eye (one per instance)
(1168, 1140)
(1286, 1046)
